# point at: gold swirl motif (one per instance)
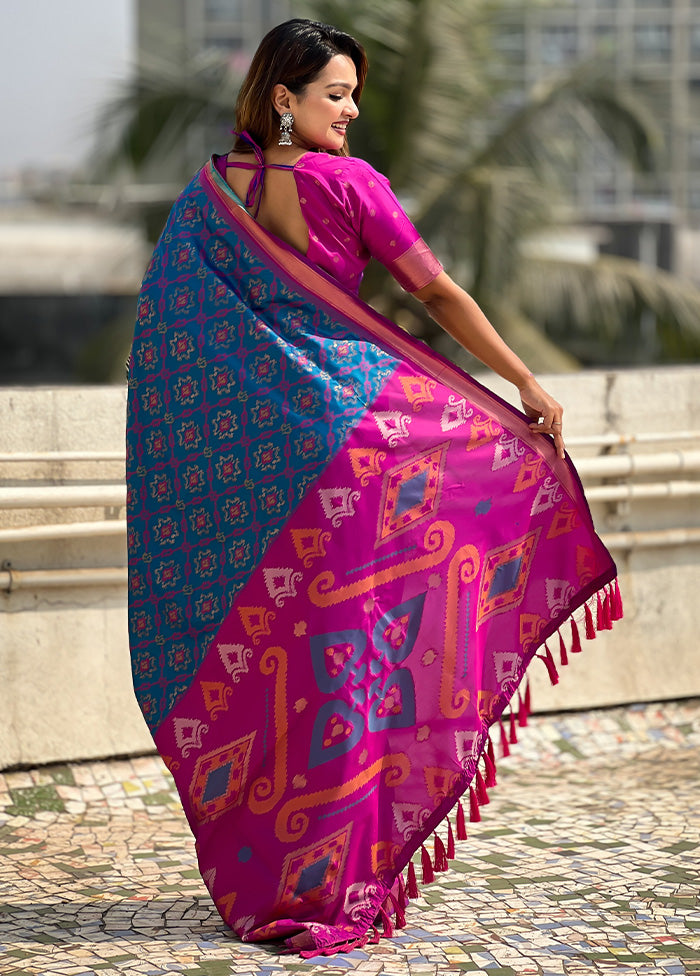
(264, 792)
(438, 540)
(292, 822)
(463, 569)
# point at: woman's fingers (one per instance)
(547, 413)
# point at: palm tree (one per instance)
(485, 167)
(479, 166)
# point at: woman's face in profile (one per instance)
(324, 109)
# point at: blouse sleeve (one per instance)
(388, 234)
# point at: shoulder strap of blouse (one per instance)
(255, 188)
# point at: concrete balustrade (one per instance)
(65, 684)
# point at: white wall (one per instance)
(65, 685)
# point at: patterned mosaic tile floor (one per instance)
(587, 862)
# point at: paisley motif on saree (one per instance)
(343, 555)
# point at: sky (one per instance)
(59, 59)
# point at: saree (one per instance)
(344, 553)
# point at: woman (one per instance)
(344, 552)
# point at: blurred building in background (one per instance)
(181, 30)
(655, 46)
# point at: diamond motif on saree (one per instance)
(220, 779)
(312, 874)
(504, 576)
(411, 493)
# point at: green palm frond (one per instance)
(610, 301)
(161, 111)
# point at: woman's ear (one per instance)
(280, 99)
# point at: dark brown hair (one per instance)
(292, 54)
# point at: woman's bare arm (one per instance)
(460, 316)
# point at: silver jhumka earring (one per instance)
(286, 123)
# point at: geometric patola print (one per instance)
(220, 778)
(212, 486)
(312, 874)
(483, 431)
(418, 391)
(505, 575)
(565, 520)
(411, 493)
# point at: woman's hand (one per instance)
(544, 410)
(461, 317)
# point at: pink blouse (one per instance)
(352, 215)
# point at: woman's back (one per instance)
(279, 208)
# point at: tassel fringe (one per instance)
(550, 665)
(608, 604)
(575, 638)
(522, 712)
(461, 823)
(481, 794)
(564, 660)
(490, 765)
(590, 626)
(512, 737)
(427, 866)
(440, 862)
(412, 887)
(474, 815)
(505, 748)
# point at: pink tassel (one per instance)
(551, 666)
(528, 706)
(489, 752)
(474, 814)
(450, 841)
(505, 748)
(403, 897)
(512, 737)
(427, 866)
(607, 611)
(490, 770)
(616, 611)
(440, 858)
(461, 823)
(399, 914)
(522, 712)
(412, 889)
(562, 652)
(575, 638)
(590, 628)
(481, 794)
(600, 614)
(388, 929)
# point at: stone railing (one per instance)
(65, 689)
